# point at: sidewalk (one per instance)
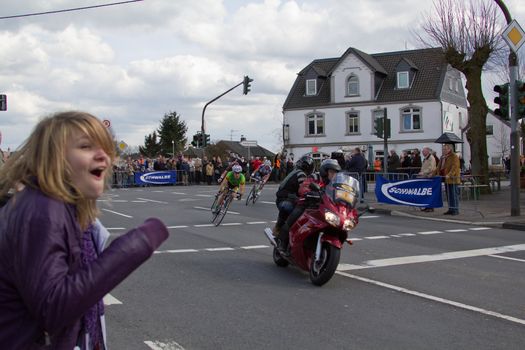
(489, 210)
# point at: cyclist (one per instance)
(263, 172)
(235, 180)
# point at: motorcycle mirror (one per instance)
(314, 186)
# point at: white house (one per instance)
(333, 103)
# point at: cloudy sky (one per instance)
(135, 62)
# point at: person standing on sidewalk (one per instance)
(449, 169)
(428, 168)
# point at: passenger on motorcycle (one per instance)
(235, 180)
(329, 168)
(263, 172)
(289, 188)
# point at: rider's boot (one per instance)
(284, 238)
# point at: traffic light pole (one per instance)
(246, 82)
(385, 144)
(514, 135)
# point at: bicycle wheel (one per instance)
(250, 196)
(257, 193)
(215, 201)
(217, 219)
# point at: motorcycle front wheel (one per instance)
(322, 270)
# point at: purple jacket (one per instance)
(42, 285)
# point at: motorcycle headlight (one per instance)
(348, 224)
(331, 218)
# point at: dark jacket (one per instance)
(289, 187)
(42, 285)
(356, 164)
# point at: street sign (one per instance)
(106, 123)
(248, 143)
(514, 35)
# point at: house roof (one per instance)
(430, 65)
(255, 151)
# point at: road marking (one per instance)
(115, 228)
(429, 232)
(117, 213)
(479, 228)
(376, 237)
(255, 247)
(369, 217)
(178, 193)
(265, 202)
(457, 230)
(507, 257)
(434, 298)
(205, 195)
(202, 208)
(353, 239)
(431, 257)
(232, 224)
(218, 249)
(396, 236)
(171, 251)
(111, 300)
(255, 222)
(406, 234)
(188, 200)
(152, 200)
(204, 225)
(157, 191)
(179, 226)
(138, 201)
(157, 345)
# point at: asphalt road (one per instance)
(404, 283)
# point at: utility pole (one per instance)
(514, 135)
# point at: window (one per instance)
(402, 80)
(311, 87)
(495, 160)
(352, 86)
(353, 123)
(315, 125)
(490, 129)
(411, 119)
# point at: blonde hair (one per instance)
(42, 157)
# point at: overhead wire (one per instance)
(69, 10)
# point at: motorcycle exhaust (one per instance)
(269, 234)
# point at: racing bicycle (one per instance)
(255, 192)
(219, 211)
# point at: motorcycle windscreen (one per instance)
(343, 188)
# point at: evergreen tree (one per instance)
(151, 147)
(172, 133)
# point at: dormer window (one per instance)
(311, 87)
(402, 80)
(352, 86)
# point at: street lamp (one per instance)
(172, 149)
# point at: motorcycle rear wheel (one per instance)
(322, 271)
(278, 259)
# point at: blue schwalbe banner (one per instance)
(156, 178)
(424, 193)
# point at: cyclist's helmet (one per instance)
(268, 162)
(237, 169)
(326, 165)
(306, 164)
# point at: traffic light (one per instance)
(3, 102)
(195, 142)
(246, 84)
(520, 95)
(206, 140)
(502, 100)
(378, 127)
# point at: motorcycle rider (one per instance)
(289, 188)
(329, 168)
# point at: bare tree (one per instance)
(502, 138)
(468, 32)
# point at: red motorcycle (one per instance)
(318, 235)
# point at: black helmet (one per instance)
(328, 164)
(306, 164)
